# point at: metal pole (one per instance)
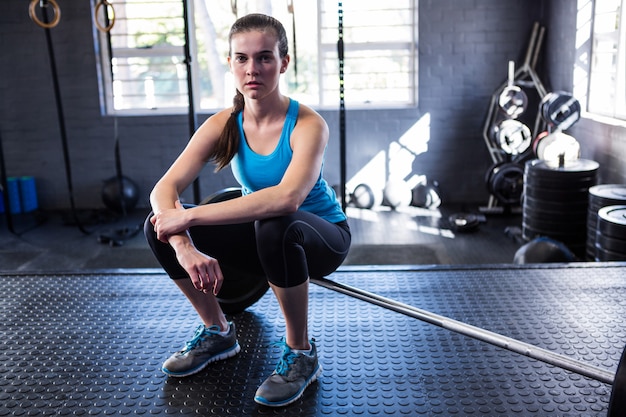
(496, 339)
(193, 120)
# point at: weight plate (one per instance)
(610, 243)
(572, 169)
(560, 183)
(222, 195)
(578, 206)
(612, 221)
(463, 222)
(555, 216)
(560, 231)
(506, 182)
(513, 101)
(567, 196)
(363, 196)
(604, 255)
(240, 289)
(512, 136)
(557, 148)
(560, 109)
(612, 194)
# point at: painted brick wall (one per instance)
(464, 47)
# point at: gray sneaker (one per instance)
(207, 346)
(294, 372)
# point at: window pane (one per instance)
(147, 69)
(149, 82)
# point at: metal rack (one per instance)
(524, 76)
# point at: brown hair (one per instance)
(228, 142)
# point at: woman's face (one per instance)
(256, 63)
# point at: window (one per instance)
(607, 81)
(144, 71)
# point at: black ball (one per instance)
(543, 250)
(120, 194)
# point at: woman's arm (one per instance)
(308, 142)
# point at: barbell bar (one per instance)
(617, 404)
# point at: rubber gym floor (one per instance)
(86, 327)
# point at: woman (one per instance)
(288, 224)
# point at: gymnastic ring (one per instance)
(33, 15)
(95, 16)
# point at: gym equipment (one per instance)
(543, 250)
(363, 197)
(508, 140)
(120, 194)
(464, 222)
(512, 136)
(555, 201)
(426, 195)
(601, 196)
(109, 20)
(611, 234)
(240, 295)
(397, 193)
(617, 402)
(505, 181)
(241, 289)
(57, 94)
(512, 99)
(560, 110)
(557, 146)
(43, 4)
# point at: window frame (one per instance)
(106, 53)
(618, 108)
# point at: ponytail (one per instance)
(228, 142)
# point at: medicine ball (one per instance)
(120, 194)
(543, 250)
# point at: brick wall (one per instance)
(464, 47)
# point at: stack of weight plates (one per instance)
(611, 234)
(601, 196)
(556, 201)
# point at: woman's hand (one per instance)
(204, 271)
(169, 222)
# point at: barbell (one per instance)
(617, 402)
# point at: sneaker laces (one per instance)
(288, 358)
(200, 336)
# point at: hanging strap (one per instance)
(61, 118)
(290, 9)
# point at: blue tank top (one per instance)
(255, 172)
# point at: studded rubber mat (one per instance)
(93, 344)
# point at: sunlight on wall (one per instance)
(396, 165)
(396, 162)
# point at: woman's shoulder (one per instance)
(308, 115)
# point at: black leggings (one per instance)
(287, 250)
